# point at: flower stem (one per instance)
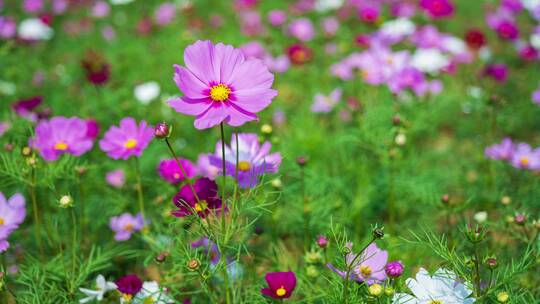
(236, 168)
(139, 188)
(477, 270)
(37, 223)
(73, 248)
(223, 208)
(188, 180)
(305, 208)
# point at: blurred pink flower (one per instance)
(302, 29)
(277, 17)
(165, 13)
(116, 178)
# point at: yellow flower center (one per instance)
(436, 302)
(130, 143)
(1, 221)
(524, 161)
(220, 92)
(61, 146)
(128, 227)
(201, 206)
(280, 292)
(127, 297)
(244, 165)
(148, 300)
(365, 271)
(364, 74)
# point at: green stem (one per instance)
(188, 180)
(236, 167)
(223, 208)
(307, 236)
(37, 222)
(83, 209)
(73, 248)
(139, 188)
(477, 270)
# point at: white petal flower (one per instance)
(34, 29)
(328, 5)
(429, 60)
(102, 287)
(119, 2)
(400, 27)
(152, 293)
(146, 92)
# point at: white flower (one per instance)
(442, 287)
(151, 290)
(34, 29)
(397, 28)
(328, 5)
(400, 139)
(530, 4)
(102, 287)
(481, 216)
(119, 2)
(535, 41)
(429, 60)
(454, 45)
(146, 92)
(485, 54)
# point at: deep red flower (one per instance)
(208, 199)
(475, 39)
(129, 284)
(280, 284)
(299, 53)
(95, 67)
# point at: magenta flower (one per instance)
(165, 13)
(394, 269)
(12, 214)
(33, 6)
(437, 8)
(254, 160)
(536, 96)
(325, 104)
(501, 151)
(503, 22)
(61, 135)
(302, 29)
(220, 85)
(116, 178)
(169, 170)
(496, 71)
(280, 284)
(525, 157)
(129, 284)
(26, 107)
(208, 199)
(92, 128)
(369, 267)
(8, 27)
(124, 225)
(127, 139)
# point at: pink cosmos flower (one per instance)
(525, 157)
(101, 9)
(124, 225)
(12, 214)
(280, 284)
(437, 8)
(8, 27)
(33, 6)
(503, 22)
(330, 26)
(169, 170)
(251, 23)
(116, 178)
(302, 29)
(369, 267)
(165, 14)
(61, 135)
(127, 139)
(497, 71)
(205, 168)
(503, 150)
(277, 17)
(253, 159)
(325, 104)
(536, 96)
(220, 85)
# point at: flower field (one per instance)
(257, 151)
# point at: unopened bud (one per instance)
(66, 201)
(396, 120)
(26, 151)
(375, 290)
(301, 161)
(162, 130)
(162, 256)
(378, 233)
(276, 183)
(502, 297)
(266, 129)
(389, 291)
(445, 198)
(491, 263)
(193, 264)
(322, 241)
(520, 219)
(506, 200)
(312, 271)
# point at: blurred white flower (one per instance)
(146, 92)
(401, 139)
(327, 5)
(485, 54)
(152, 293)
(7, 88)
(398, 28)
(120, 2)
(480, 217)
(34, 29)
(429, 60)
(102, 286)
(535, 41)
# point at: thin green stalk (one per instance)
(35, 211)
(139, 188)
(83, 208)
(188, 180)
(307, 236)
(236, 168)
(3, 279)
(348, 273)
(73, 248)
(477, 270)
(223, 208)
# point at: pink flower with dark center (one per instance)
(437, 8)
(221, 85)
(206, 201)
(61, 135)
(127, 139)
(280, 284)
(169, 170)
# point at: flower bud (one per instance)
(8, 147)
(445, 199)
(65, 201)
(400, 139)
(162, 130)
(312, 271)
(394, 269)
(491, 263)
(266, 129)
(389, 291)
(162, 256)
(502, 297)
(313, 257)
(375, 290)
(506, 200)
(31, 161)
(276, 183)
(378, 233)
(193, 264)
(475, 235)
(322, 241)
(26, 151)
(520, 219)
(301, 161)
(396, 120)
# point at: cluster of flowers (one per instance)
(12, 214)
(519, 155)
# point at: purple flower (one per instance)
(165, 13)
(129, 284)
(437, 8)
(368, 267)
(116, 178)
(302, 29)
(124, 225)
(253, 159)
(220, 85)
(25, 107)
(205, 168)
(394, 269)
(169, 170)
(536, 96)
(127, 139)
(502, 21)
(514, 6)
(8, 27)
(277, 17)
(280, 284)
(207, 199)
(502, 151)
(12, 214)
(322, 241)
(497, 71)
(525, 157)
(209, 248)
(100, 9)
(33, 6)
(330, 26)
(325, 104)
(61, 135)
